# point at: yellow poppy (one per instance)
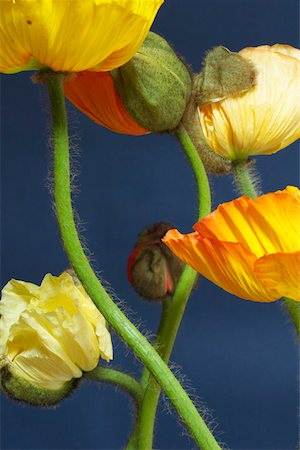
(50, 334)
(95, 94)
(250, 248)
(264, 119)
(72, 35)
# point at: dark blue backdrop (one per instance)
(239, 357)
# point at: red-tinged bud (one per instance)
(153, 270)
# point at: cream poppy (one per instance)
(51, 334)
(264, 119)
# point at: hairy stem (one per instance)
(171, 321)
(128, 332)
(245, 179)
(119, 379)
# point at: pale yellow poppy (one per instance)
(51, 333)
(264, 119)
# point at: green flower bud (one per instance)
(153, 270)
(224, 73)
(19, 388)
(154, 85)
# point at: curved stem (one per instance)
(247, 185)
(119, 379)
(128, 332)
(170, 323)
(245, 178)
(204, 196)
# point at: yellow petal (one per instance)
(267, 117)
(16, 296)
(72, 35)
(31, 335)
(268, 224)
(227, 264)
(280, 271)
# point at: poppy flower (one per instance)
(250, 248)
(50, 334)
(72, 35)
(266, 118)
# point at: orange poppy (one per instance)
(250, 248)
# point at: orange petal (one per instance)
(268, 224)
(227, 264)
(94, 93)
(281, 272)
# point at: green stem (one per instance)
(245, 178)
(119, 379)
(246, 182)
(170, 322)
(293, 309)
(128, 332)
(204, 196)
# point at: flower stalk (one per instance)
(128, 332)
(245, 178)
(172, 317)
(119, 379)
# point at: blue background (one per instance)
(239, 358)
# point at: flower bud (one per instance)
(49, 336)
(154, 85)
(224, 73)
(153, 270)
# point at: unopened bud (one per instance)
(154, 85)
(153, 270)
(224, 73)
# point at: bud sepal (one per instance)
(18, 388)
(224, 74)
(155, 85)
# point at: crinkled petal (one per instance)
(16, 296)
(54, 331)
(96, 96)
(268, 224)
(227, 264)
(30, 337)
(267, 117)
(73, 35)
(280, 271)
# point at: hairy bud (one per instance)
(153, 270)
(224, 73)
(154, 85)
